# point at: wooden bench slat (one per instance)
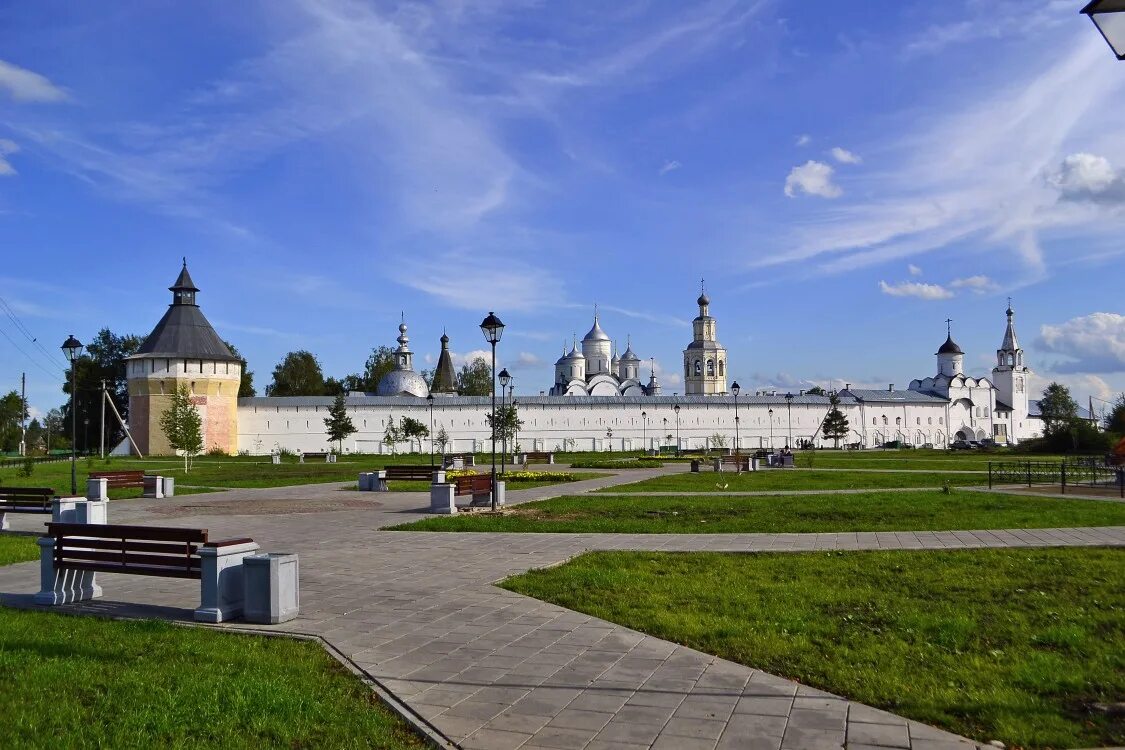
(146, 533)
(129, 558)
(167, 548)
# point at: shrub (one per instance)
(27, 468)
(216, 451)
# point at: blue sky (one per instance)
(845, 175)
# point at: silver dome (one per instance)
(402, 383)
(596, 333)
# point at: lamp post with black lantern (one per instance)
(493, 329)
(771, 430)
(789, 406)
(644, 432)
(676, 409)
(73, 349)
(735, 388)
(1109, 18)
(430, 401)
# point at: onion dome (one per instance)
(950, 347)
(596, 333)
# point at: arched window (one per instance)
(710, 368)
(941, 420)
(885, 421)
(874, 421)
(898, 421)
(1011, 359)
(722, 369)
(930, 420)
(698, 367)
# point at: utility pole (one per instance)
(101, 452)
(23, 414)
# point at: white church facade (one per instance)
(598, 401)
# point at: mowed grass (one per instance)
(924, 510)
(768, 480)
(16, 548)
(69, 681)
(947, 460)
(1015, 645)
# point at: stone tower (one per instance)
(1011, 376)
(705, 359)
(184, 349)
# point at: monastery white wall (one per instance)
(586, 423)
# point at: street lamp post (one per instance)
(735, 388)
(505, 378)
(493, 329)
(1109, 18)
(789, 406)
(771, 429)
(73, 348)
(609, 439)
(515, 430)
(644, 432)
(430, 401)
(676, 409)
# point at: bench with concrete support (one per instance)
(443, 495)
(329, 458)
(536, 457)
(72, 554)
(458, 460)
(737, 464)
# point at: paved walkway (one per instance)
(492, 669)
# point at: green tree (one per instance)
(182, 426)
(35, 436)
(246, 384)
(508, 423)
(299, 374)
(1115, 420)
(442, 439)
(475, 378)
(339, 424)
(412, 429)
(719, 441)
(379, 363)
(104, 359)
(56, 431)
(816, 390)
(1059, 410)
(392, 436)
(12, 414)
(835, 425)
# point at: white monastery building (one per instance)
(597, 402)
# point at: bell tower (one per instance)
(705, 359)
(1010, 376)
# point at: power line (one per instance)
(31, 359)
(11, 313)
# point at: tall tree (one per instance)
(246, 385)
(392, 436)
(57, 435)
(475, 378)
(1115, 420)
(299, 374)
(816, 390)
(1059, 410)
(12, 414)
(442, 439)
(104, 360)
(35, 439)
(379, 363)
(835, 425)
(412, 429)
(339, 424)
(182, 426)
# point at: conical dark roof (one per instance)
(184, 332)
(444, 381)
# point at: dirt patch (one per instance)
(266, 507)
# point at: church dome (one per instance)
(949, 347)
(630, 355)
(703, 300)
(402, 383)
(575, 354)
(596, 333)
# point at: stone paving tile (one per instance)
(492, 669)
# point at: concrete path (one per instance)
(487, 668)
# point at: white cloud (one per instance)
(1088, 177)
(844, 156)
(470, 356)
(803, 139)
(914, 270)
(1091, 343)
(24, 85)
(669, 166)
(527, 359)
(812, 178)
(979, 284)
(915, 289)
(7, 147)
(520, 285)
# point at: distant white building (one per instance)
(598, 402)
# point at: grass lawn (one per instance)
(786, 479)
(69, 681)
(948, 460)
(924, 510)
(1012, 645)
(16, 548)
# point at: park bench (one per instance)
(479, 486)
(24, 500)
(538, 457)
(458, 460)
(329, 458)
(376, 481)
(151, 486)
(738, 463)
(72, 554)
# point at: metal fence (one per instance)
(1083, 472)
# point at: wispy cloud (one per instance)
(24, 85)
(7, 148)
(913, 269)
(669, 166)
(979, 284)
(803, 140)
(915, 289)
(844, 156)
